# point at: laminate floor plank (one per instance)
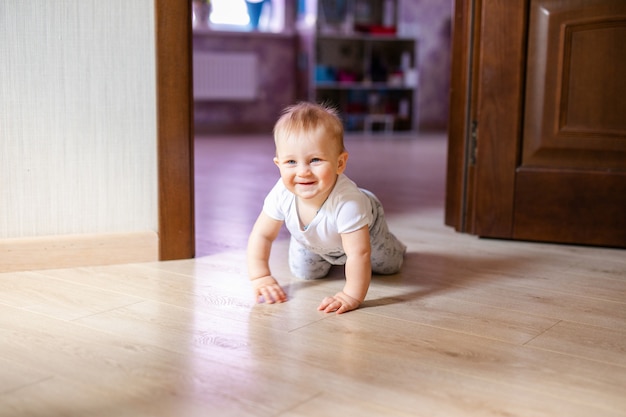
(565, 379)
(59, 397)
(550, 304)
(15, 376)
(138, 371)
(147, 283)
(580, 340)
(209, 289)
(465, 317)
(249, 346)
(42, 294)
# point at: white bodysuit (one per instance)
(317, 246)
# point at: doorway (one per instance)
(176, 206)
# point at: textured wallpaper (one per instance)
(77, 117)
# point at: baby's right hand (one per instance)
(268, 288)
(340, 303)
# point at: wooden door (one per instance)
(538, 121)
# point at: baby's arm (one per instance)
(263, 234)
(358, 273)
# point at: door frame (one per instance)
(486, 105)
(174, 102)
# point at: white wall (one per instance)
(77, 117)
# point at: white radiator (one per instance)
(225, 76)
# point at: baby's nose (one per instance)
(304, 170)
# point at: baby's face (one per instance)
(309, 165)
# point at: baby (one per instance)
(331, 220)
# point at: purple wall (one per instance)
(429, 20)
(277, 84)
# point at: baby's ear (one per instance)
(276, 160)
(342, 162)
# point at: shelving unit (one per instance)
(355, 62)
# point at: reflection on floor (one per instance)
(470, 327)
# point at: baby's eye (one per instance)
(290, 162)
(315, 160)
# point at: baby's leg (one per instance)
(387, 255)
(387, 251)
(305, 264)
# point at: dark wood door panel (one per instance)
(543, 122)
(575, 113)
(571, 207)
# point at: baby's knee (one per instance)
(309, 272)
(387, 268)
(388, 265)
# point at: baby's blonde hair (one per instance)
(310, 118)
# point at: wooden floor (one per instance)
(470, 327)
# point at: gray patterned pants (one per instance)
(387, 251)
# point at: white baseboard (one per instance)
(69, 251)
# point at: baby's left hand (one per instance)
(340, 303)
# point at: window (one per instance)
(234, 15)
